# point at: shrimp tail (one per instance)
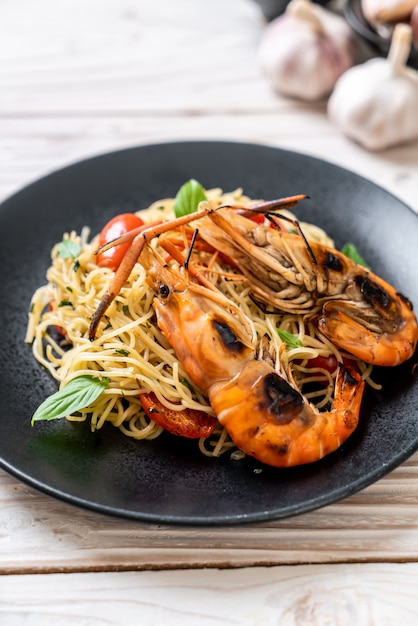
(268, 419)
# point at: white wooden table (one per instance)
(82, 77)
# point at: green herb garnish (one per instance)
(350, 250)
(69, 249)
(122, 352)
(78, 394)
(188, 198)
(291, 340)
(186, 383)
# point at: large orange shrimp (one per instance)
(263, 411)
(357, 310)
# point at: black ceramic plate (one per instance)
(167, 480)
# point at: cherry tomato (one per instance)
(189, 423)
(117, 226)
(328, 363)
(258, 218)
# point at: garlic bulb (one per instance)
(305, 50)
(376, 103)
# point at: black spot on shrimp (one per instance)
(279, 448)
(348, 379)
(376, 296)
(228, 337)
(280, 399)
(332, 262)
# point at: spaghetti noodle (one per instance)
(132, 353)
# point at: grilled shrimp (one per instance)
(356, 309)
(263, 411)
(353, 307)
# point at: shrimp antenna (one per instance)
(308, 247)
(189, 253)
(271, 217)
(285, 203)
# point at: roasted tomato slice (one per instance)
(117, 226)
(186, 423)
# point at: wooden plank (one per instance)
(31, 147)
(40, 534)
(117, 56)
(88, 79)
(364, 595)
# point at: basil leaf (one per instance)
(350, 250)
(186, 383)
(188, 198)
(78, 394)
(122, 352)
(291, 340)
(69, 249)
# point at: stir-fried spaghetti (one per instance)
(130, 349)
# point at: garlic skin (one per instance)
(305, 50)
(376, 103)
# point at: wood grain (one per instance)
(81, 78)
(31, 147)
(39, 534)
(341, 595)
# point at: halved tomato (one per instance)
(119, 225)
(189, 423)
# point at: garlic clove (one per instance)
(379, 12)
(304, 51)
(376, 103)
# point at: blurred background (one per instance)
(82, 77)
